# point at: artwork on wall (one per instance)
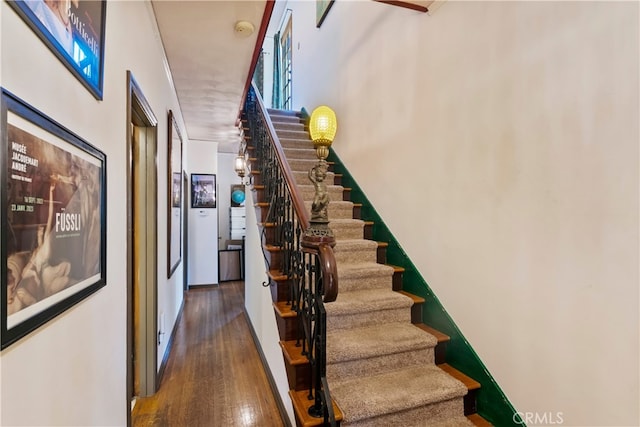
(74, 31)
(174, 196)
(322, 8)
(53, 219)
(203, 190)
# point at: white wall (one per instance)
(72, 371)
(203, 222)
(259, 307)
(499, 142)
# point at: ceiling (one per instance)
(209, 61)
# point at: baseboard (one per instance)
(167, 351)
(272, 383)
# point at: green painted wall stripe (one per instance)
(493, 405)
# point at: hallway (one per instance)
(214, 376)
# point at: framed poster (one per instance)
(74, 31)
(322, 8)
(174, 205)
(53, 219)
(203, 190)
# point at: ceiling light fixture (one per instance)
(244, 28)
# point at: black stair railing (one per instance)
(309, 268)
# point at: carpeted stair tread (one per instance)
(369, 300)
(347, 228)
(302, 177)
(349, 251)
(301, 153)
(300, 142)
(283, 118)
(363, 276)
(420, 417)
(395, 391)
(363, 269)
(288, 126)
(359, 343)
(355, 245)
(339, 209)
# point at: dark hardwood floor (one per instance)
(214, 376)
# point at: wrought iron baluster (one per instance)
(308, 267)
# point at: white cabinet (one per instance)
(237, 217)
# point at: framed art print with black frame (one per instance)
(203, 190)
(53, 219)
(174, 214)
(74, 31)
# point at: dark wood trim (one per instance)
(272, 383)
(405, 4)
(266, 17)
(167, 352)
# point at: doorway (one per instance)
(287, 65)
(142, 207)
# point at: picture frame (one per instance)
(203, 190)
(322, 9)
(53, 219)
(174, 195)
(74, 31)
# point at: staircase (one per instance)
(384, 366)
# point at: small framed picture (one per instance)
(53, 211)
(203, 190)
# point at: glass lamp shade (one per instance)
(240, 165)
(323, 126)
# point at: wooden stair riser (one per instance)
(301, 404)
(471, 398)
(269, 231)
(397, 280)
(381, 253)
(299, 376)
(416, 308)
(258, 194)
(262, 209)
(289, 328)
(280, 290)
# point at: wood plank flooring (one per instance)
(214, 376)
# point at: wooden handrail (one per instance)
(420, 6)
(296, 197)
(329, 272)
(262, 32)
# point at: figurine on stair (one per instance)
(317, 174)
